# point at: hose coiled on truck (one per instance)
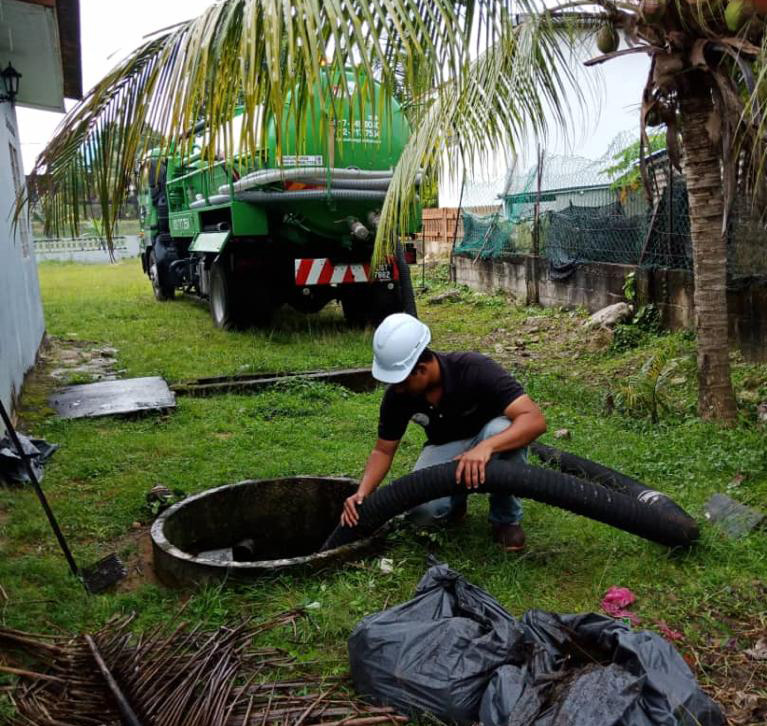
(302, 195)
(647, 520)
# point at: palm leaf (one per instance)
(516, 87)
(260, 52)
(491, 79)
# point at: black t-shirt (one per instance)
(475, 390)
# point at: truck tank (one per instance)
(361, 134)
(297, 226)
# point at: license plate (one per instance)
(384, 273)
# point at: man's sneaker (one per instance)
(511, 537)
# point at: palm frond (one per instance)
(269, 57)
(255, 52)
(518, 86)
(479, 73)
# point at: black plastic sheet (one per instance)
(454, 652)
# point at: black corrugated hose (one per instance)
(591, 470)
(658, 523)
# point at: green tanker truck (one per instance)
(296, 229)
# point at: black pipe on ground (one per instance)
(622, 510)
(586, 469)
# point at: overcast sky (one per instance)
(110, 29)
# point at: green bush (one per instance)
(650, 392)
(644, 324)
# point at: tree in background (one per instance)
(625, 170)
(486, 74)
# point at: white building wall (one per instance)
(21, 313)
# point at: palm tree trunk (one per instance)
(716, 399)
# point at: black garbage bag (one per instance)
(12, 468)
(437, 652)
(454, 652)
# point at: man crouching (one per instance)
(471, 410)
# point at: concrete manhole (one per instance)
(241, 531)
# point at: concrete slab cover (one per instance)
(359, 380)
(734, 518)
(113, 398)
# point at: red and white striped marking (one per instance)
(321, 271)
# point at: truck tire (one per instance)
(400, 299)
(163, 290)
(258, 307)
(406, 293)
(356, 304)
(226, 308)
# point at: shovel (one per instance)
(99, 576)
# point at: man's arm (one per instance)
(376, 468)
(527, 424)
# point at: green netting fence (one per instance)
(579, 216)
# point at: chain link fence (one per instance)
(572, 211)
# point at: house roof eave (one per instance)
(68, 18)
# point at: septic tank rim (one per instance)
(160, 540)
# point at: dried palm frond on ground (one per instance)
(186, 677)
(733, 669)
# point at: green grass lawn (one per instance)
(97, 481)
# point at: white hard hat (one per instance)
(397, 343)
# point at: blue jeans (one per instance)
(504, 508)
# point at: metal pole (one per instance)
(535, 297)
(458, 211)
(670, 187)
(537, 211)
(38, 490)
(457, 215)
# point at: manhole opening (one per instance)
(273, 519)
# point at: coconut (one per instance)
(736, 14)
(607, 39)
(652, 10)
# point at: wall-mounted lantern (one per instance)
(10, 83)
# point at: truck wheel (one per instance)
(225, 303)
(160, 286)
(400, 299)
(258, 308)
(357, 305)
(406, 293)
(384, 302)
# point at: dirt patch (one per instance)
(139, 561)
(69, 360)
(60, 362)
(542, 340)
(558, 344)
(734, 677)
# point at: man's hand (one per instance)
(471, 465)
(350, 517)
